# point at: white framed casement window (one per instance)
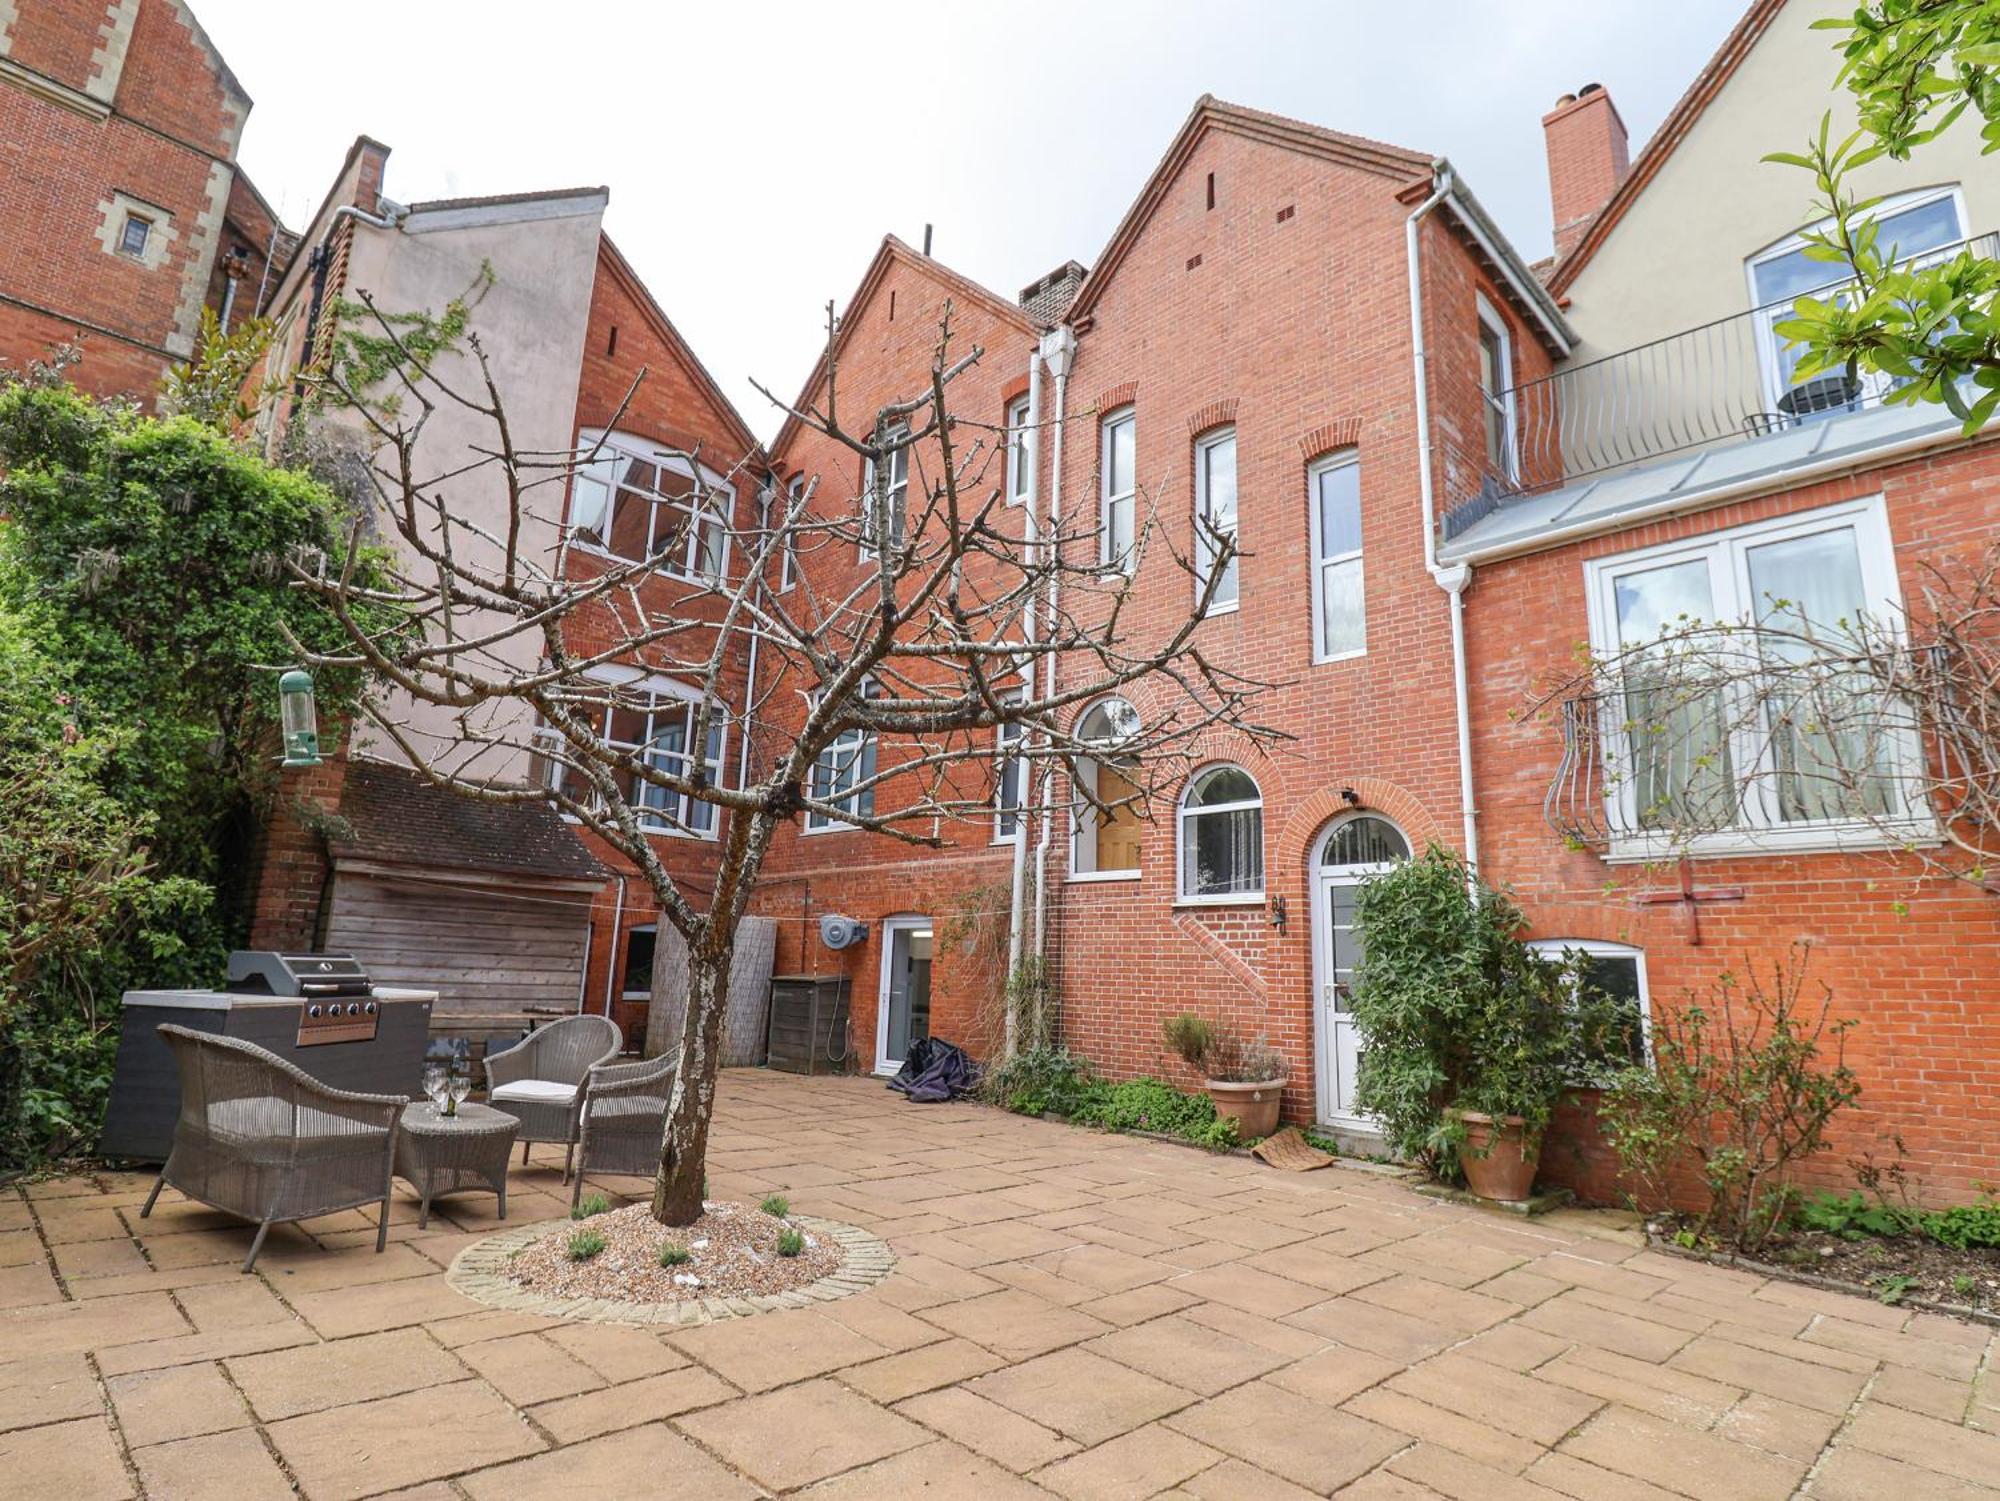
(652, 720)
(636, 974)
(1921, 226)
(1730, 771)
(1496, 392)
(788, 544)
(1020, 451)
(895, 469)
(1010, 779)
(1118, 493)
(1221, 825)
(1104, 817)
(1215, 515)
(1340, 617)
(1618, 972)
(642, 503)
(847, 762)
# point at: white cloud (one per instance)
(757, 152)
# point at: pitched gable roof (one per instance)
(891, 251)
(1210, 113)
(628, 279)
(1673, 130)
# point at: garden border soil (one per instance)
(1658, 1242)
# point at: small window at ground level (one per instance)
(1617, 972)
(1222, 834)
(638, 971)
(133, 237)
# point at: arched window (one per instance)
(1104, 840)
(1222, 835)
(1365, 840)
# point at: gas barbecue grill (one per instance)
(318, 1011)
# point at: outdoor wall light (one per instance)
(1349, 796)
(299, 717)
(1278, 914)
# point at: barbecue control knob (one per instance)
(353, 1008)
(369, 1009)
(312, 1011)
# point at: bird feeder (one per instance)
(299, 717)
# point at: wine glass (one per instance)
(457, 1087)
(436, 1086)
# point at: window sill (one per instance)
(1214, 610)
(1340, 656)
(1246, 899)
(661, 570)
(832, 828)
(1798, 839)
(1094, 877)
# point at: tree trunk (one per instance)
(682, 1181)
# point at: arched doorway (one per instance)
(1350, 851)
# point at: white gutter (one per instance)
(1451, 579)
(1059, 349)
(1031, 533)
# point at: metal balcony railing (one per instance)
(1722, 382)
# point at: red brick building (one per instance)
(127, 212)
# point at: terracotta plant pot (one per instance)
(1254, 1107)
(1507, 1172)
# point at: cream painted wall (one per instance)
(1677, 257)
(532, 324)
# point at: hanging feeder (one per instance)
(298, 715)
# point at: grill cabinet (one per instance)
(808, 1024)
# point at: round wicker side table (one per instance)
(443, 1154)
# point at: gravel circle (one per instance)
(732, 1253)
(529, 1269)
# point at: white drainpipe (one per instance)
(1032, 438)
(1450, 578)
(1059, 349)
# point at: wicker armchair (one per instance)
(264, 1140)
(539, 1081)
(624, 1117)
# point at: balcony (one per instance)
(1722, 383)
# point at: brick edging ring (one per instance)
(479, 1272)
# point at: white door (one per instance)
(1348, 853)
(903, 1008)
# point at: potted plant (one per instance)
(1245, 1080)
(1469, 1038)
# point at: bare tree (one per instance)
(922, 617)
(1885, 728)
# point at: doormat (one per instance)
(1290, 1150)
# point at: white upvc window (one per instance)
(1496, 392)
(1215, 515)
(895, 469)
(1921, 227)
(1119, 488)
(1616, 971)
(1730, 771)
(1340, 617)
(1020, 451)
(1221, 823)
(1010, 780)
(847, 762)
(643, 503)
(652, 720)
(788, 544)
(1104, 833)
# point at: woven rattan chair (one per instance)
(539, 1081)
(624, 1117)
(263, 1140)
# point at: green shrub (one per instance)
(675, 1254)
(776, 1205)
(1044, 1081)
(1192, 1038)
(791, 1242)
(585, 1244)
(1455, 1012)
(1965, 1226)
(590, 1205)
(1853, 1216)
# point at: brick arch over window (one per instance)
(1343, 432)
(1116, 397)
(1293, 841)
(1215, 414)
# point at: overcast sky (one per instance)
(757, 152)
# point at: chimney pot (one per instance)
(1589, 156)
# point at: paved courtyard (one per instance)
(1073, 1314)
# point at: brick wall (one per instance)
(1913, 961)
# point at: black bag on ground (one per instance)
(935, 1070)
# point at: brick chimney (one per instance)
(1588, 158)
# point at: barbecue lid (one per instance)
(260, 970)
